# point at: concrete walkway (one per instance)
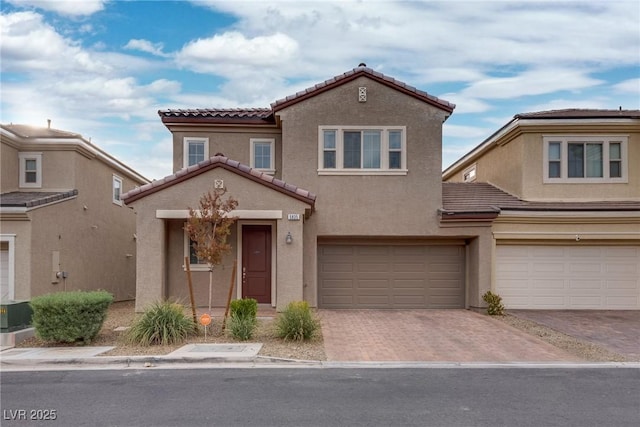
(429, 336)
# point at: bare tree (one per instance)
(209, 227)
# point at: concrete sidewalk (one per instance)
(63, 358)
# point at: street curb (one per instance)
(151, 361)
(267, 361)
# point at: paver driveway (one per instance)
(429, 336)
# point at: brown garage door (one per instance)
(390, 276)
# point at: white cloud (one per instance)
(460, 131)
(146, 46)
(231, 53)
(534, 82)
(631, 86)
(30, 45)
(64, 7)
(465, 104)
(561, 104)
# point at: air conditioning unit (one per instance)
(15, 315)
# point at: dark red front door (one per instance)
(256, 262)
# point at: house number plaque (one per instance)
(293, 217)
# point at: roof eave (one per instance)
(136, 194)
(321, 88)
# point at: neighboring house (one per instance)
(340, 193)
(563, 189)
(63, 223)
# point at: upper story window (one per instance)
(195, 150)
(117, 190)
(30, 170)
(353, 150)
(263, 154)
(469, 174)
(585, 159)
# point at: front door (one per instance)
(256, 263)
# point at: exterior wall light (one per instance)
(289, 239)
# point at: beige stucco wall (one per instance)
(9, 173)
(367, 205)
(535, 189)
(232, 142)
(517, 167)
(501, 166)
(22, 272)
(161, 241)
(554, 227)
(177, 286)
(93, 236)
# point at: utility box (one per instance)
(15, 315)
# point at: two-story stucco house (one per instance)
(63, 223)
(340, 199)
(563, 188)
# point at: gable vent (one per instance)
(362, 94)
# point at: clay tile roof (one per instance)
(480, 197)
(29, 199)
(576, 113)
(475, 197)
(225, 163)
(219, 115)
(355, 73)
(27, 131)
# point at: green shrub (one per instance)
(296, 322)
(494, 301)
(75, 316)
(162, 323)
(243, 319)
(241, 328)
(246, 307)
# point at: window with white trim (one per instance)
(195, 150)
(469, 175)
(585, 159)
(117, 190)
(30, 170)
(353, 150)
(263, 154)
(195, 263)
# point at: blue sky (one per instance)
(103, 68)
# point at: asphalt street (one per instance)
(323, 397)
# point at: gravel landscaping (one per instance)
(122, 314)
(585, 350)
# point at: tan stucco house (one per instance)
(63, 225)
(562, 192)
(340, 202)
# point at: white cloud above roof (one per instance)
(64, 7)
(72, 61)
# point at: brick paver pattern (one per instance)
(429, 336)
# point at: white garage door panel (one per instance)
(568, 277)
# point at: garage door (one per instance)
(568, 277)
(390, 276)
